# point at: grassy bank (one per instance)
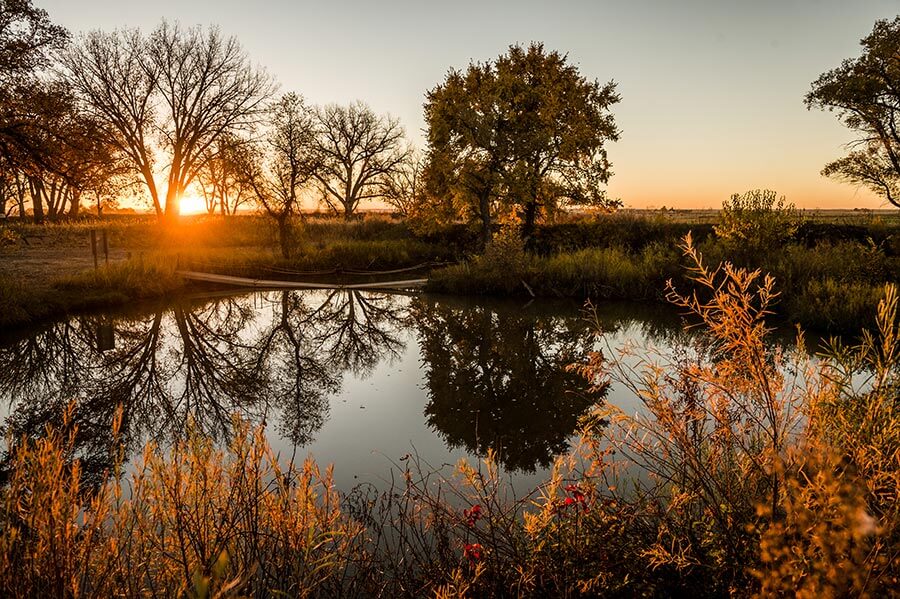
(829, 273)
(47, 271)
(114, 285)
(747, 484)
(829, 277)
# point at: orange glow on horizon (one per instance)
(192, 204)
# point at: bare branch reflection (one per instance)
(278, 355)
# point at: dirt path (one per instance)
(37, 266)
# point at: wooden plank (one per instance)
(271, 284)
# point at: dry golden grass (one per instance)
(191, 520)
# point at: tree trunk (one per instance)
(173, 202)
(37, 200)
(75, 204)
(52, 201)
(284, 229)
(154, 192)
(348, 200)
(529, 216)
(484, 208)
(20, 195)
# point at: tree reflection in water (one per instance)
(496, 378)
(278, 355)
(494, 372)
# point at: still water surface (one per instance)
(356, 379)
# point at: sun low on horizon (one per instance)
(192, 204)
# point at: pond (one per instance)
(355, 379)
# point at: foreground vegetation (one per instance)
(747, 472)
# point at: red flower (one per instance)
(472, 551)
(577, 497)
(473, 515)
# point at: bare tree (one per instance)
(280, 168)
(220, 180)
(178, 90)
(403, 188)
(358, 150)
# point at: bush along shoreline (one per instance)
(737, 478)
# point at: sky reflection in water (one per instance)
(353, 378)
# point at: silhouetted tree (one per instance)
(221, 181)
(280, 167)
(526, 131)
(59, 156)
(358, 151)
(176, 89)
(865, 94)
(28, 40)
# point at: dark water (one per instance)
(353, 378)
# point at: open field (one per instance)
(856, 216)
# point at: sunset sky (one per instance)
(712, 91)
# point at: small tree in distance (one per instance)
(358, 152)
(220, 180)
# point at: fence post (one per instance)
(105, 248)
(94, 247)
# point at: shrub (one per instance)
(757, 220)
(505, 253)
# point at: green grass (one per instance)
(604, 273)
(146, 254)
(114, 285)
(137, 278)
(828, 275)
(827, 288)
